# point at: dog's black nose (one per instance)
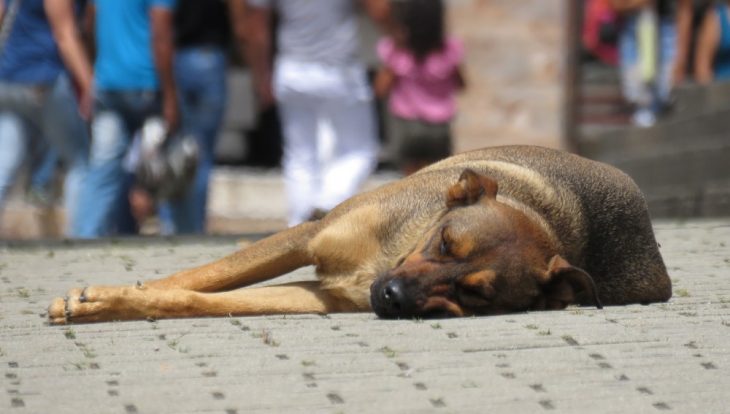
(390, 299)
(393, 294)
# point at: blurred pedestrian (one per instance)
(134, 81)
(712, 60)
(203, 35)
(647, 48)
(421, 74)
(690, 14)
(317, 79)
(40, 190)
(600, 31)
(38, 109)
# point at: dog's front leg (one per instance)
(273, 256)
(99, 303)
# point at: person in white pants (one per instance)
(326, 95)
(317, 80)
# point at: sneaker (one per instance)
(643, 118)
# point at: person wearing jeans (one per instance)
(46, 120)
(40, 188)
(647, 51)
(117, 114)
(133, 79)
(203, 32)
(200, 74)
(38, 107)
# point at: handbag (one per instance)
(166, 163)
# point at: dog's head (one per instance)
(483, 257)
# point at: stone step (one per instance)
(681, 164)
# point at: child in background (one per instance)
(421, 74)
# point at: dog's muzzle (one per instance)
(389, 299)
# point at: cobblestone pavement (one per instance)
(671, 357)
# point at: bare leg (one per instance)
(99, 304)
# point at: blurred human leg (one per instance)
(50, 118)
(300, 165)
(355, 150)
(298, 92)
(104, 193)
(309, 96)
(104, 184)
(667, 54)
(67, 134)
(124, 222)
(628, 60)
(349, 110)
(200, 74)
(13, 150)
(43, 170)
(635, 91)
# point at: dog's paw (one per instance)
(57, 311)
(90, 304)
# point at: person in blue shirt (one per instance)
(38, 109)
(133, 81)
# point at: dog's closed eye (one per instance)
(444, 247)
(454, 244)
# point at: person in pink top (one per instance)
(421, 74)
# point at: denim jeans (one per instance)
(104, 195)
(201, 81)
(44, 169)
(34, 118)
(655, 94)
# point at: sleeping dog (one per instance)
(492, 231)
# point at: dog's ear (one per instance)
(563, 282)
(470, 188)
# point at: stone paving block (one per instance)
(640, 359)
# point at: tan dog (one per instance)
(485, 232)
